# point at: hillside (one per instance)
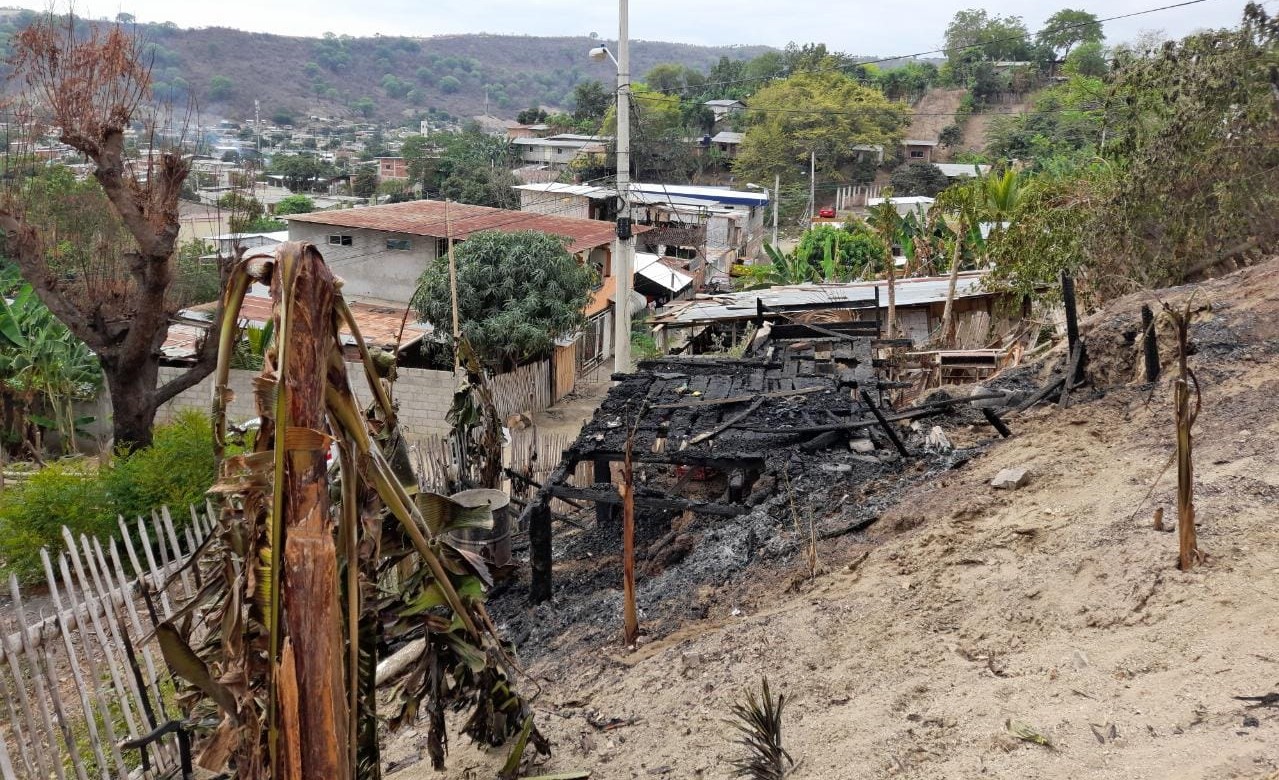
(226, 70)
(963, 608)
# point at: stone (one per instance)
(1011, 479)
(837, 468)
(863, 446)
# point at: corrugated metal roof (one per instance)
(919, 291)
(728, 137)
(956, 170)
(379, 325)
(651, 267)
(426, 218)
(722, 195)
(556, 188)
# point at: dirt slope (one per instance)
(934, 111)
(966, 607)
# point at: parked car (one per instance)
(827, 213)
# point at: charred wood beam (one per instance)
(995, 422)
(737, 399)
(537, 518)
(883, 423)
(1046, 391)
(513, 474)
(647, 501)
(724, 462)
(729, 423)
(1150, 345)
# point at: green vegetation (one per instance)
(1184, 174)
(294, 204)
(824, 113)
(919, 178)
(175, 470)
(517, 293)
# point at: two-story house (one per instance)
(381, 251)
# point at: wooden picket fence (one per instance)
(88, 676)
(526, 389)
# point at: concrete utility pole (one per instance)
(777, 199)
(812, 185)
(624, 246)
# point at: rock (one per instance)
(837, 468)
(871, 459)
(1081, 660)
(1251, 722)
(1011, 479)
(863, 446)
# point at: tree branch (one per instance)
(24, 247)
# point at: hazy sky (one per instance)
(854, 26)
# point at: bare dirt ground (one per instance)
(934, 111)
(977, 126)
(1057, 605)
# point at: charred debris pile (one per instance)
(735, 460)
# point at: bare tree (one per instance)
(91, 82)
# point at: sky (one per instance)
(859, 27)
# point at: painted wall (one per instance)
(369, 269)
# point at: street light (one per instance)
(624, 244)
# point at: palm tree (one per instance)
(885, 220)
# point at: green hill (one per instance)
(225, 70)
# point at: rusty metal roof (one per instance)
(379, 325)
(427, 218)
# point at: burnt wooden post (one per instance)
(1072, 328)
(995, 422)
(539, 537)
(1149, 343)
(603, 473)
(887, 426)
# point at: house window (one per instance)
(917, 154)
(339, 239)
(399, 244)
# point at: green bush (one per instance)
(175, 470)
(32, 513)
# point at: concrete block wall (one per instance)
(423, 396)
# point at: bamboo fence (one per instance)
(88, 675)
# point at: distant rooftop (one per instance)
(427, 218)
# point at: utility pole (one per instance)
(777, 200)
(812, 185)
(624, 246)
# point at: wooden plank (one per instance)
(167, 523)
(103, 645)
(648, 501)
(139, 629)
(737, 399)
(42, 693)
(24, 745)
(729, 423)
(82, 688)
(883, 423)
(34, 740)
(157, 580)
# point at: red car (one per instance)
(827, 213)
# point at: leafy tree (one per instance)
(591, 100)
(300, 172)
(282, 117)
(1087, 59)
(245, 211)
(220, 88)
(1069, 27)
(826, 113)
(517, 293)
(813, 57)
(531, 116)
(951, 135)
(974, 36)
(450, 84)
(100, 253)
(364, 185)
(294, 204)
(394, 87)
(364, 107)
(919, 178)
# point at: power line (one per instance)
(942, 50)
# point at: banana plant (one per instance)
(313, 569)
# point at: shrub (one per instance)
(32, 513)
(175, 470)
